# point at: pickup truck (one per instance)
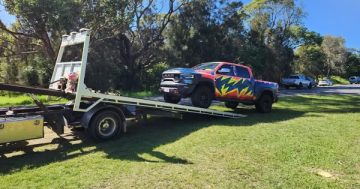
(223, 81)
(299, 81)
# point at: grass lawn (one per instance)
(306, 142)
(16, 100)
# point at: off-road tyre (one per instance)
(169, 98)
(264, 104)
(202, 97)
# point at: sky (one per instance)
(327, 17)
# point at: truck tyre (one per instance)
(171, 98)
(310, 86)
(264, 104)
(105, 125)
(202, 97)
(299, 86)
(231, 105)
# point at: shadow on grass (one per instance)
(145, 138)
(140, 139)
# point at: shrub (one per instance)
(30, 76)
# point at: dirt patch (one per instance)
(51, 141)
(325, 173)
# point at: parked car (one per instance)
(313, 82)
(299, 81)
(223, 81)
(354, 79)
(325, 82)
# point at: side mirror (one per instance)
(224, 71)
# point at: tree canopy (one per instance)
(134, 41)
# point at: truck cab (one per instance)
(223, 81)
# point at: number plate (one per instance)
(166, 90)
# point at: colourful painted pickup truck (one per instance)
(223, 81)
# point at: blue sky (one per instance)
(328, 17)
(335, 17)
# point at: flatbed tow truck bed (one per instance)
(103, 115)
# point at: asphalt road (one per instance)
(337, 89)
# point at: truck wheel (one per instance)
(299, 86)
(105, 125)
(171, 98)
(231, 105)
(264, 105)
(202, 97)
(310, 86)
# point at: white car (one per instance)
(299, 81)
(325, 82)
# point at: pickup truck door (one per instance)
(229, 85)
(224, 81)
(246, 83)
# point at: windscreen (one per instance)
(206, 66)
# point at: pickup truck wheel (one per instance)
(202, 97)
(264, 105)
(171, 98)
(299, 86)
(105, 125)
(231, 105)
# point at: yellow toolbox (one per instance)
(14, 129)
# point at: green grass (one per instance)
(17, 100)
(339, 80)
(302, 139)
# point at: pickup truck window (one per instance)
(206, 66)
(230, 67)
(294, 77)
(242, 72)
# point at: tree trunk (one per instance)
(48, 48)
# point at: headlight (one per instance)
(188, 76)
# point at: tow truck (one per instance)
(103, 115)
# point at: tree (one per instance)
(309, 56)
(128, 36)
(130, 33)
(335, 51)
(206, 30)
(310, 60)
(303, 36)
(42, 21)
(353, 63)
(271, 23)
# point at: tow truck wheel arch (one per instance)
(89, 116)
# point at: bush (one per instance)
(339, 80)
(153, 76)
(30, 76)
